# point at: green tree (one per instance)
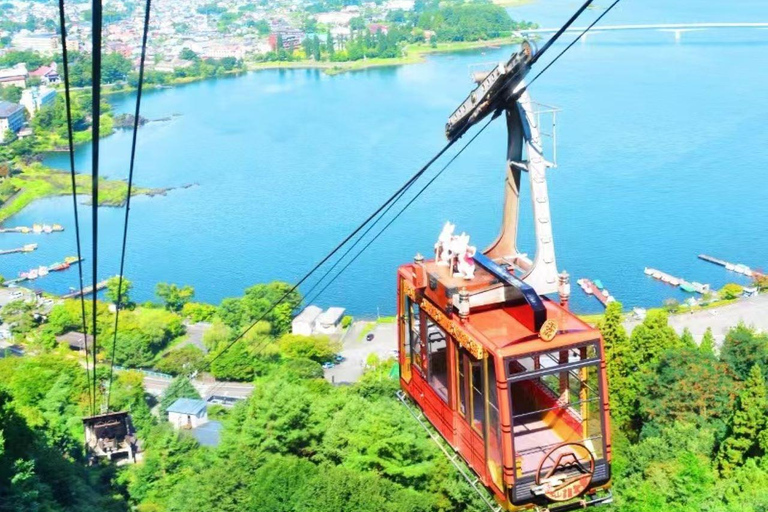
(10, 93)
(114, 68)
(180, 387)
(621, 362)
(181, 361)
(317, 348)
(686, 339)
(174, 297)
(113, 291)
(707, 345)
(746, 424)
(187, 54)
(731, 291)
(743, 348)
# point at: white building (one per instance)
(330, 321)
(46, 44)
(17, 75)
(306, 321)
(35, 98)
(187, 413)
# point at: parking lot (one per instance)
(355, 350)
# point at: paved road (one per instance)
(157, 385)
(752, 311)
(356, 351)
(194, 337)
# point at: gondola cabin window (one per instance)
(494, 428)
(555, 399)
(462, 372)
(478, 395)
(415, 340)
(437, 341)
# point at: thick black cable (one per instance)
(336, 249)
(96, 16)
(70, 140)
(561, 30)
(359, 239)
(128, 194)
(407, 205)
(583, 32)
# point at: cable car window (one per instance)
(414, 322)
(558, 402)
(494, 427)
(478, 398)
(462, 383)
(437, 341)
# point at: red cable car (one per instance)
(513, 381)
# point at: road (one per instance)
(356, 350)
(157, 385)
(752, 311)
(194, 337)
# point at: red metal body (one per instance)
(501, 395)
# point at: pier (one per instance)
(739, 268)
(85, 292)
(36, 229)
(43, 271)
(25, 248)
(686, 286)
(590, 288)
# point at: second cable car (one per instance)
(511, 379)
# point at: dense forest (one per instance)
(689, 420)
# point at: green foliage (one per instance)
(180, 387)
(20, 316)
(686, 339)
(32, 59)
(707, 345)
(173, 297)
(346, 321)
(238, 313)
(731, 291)
(303, 368)
(746, 425)
(181, 361)
(117, 291)
(198, 312)
(142, 334)
(10, 93)
(316, 348)
(742, 349)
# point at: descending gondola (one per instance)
(511, 379)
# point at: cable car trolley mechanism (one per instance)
(511, 379)
(111, 436)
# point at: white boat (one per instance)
(700, 288)
(42, 271)
(32, 274)
(656, 274)
(730, 266)
(674, 281)
(37, 228)
(648, 271)
(47, 229)
(605, 293)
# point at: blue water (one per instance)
(661, 151)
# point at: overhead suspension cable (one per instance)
(128, 194)
(407, 185)
(70, 140)
(402, 210)
(544, 48)
(583, 33)
(96, 16)
(336, 249)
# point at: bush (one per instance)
(198, 311)
(731, 291)
(346, 321)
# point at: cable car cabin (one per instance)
(514, 382)
(110, 436)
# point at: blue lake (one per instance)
(661, 150)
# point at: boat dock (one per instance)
(597, 290)
(36, 229)
(25, 248)
(739, 268)
(43, 271)
(86, 291)
(686, 286)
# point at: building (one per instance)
(35, 98)
(304, 323)
(17, 75)
(187, 413)
(330, 321)
(291, 38)
(48, 75)
(11, 118)
(375, 28)
(75, 340)
(47, 44)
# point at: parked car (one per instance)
(338, 358)
(328, 366)
(369, 336)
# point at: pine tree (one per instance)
(745, 428)
(707, 346)
(653, 337)
(620, 361)
(329, 44)
(686, 339)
